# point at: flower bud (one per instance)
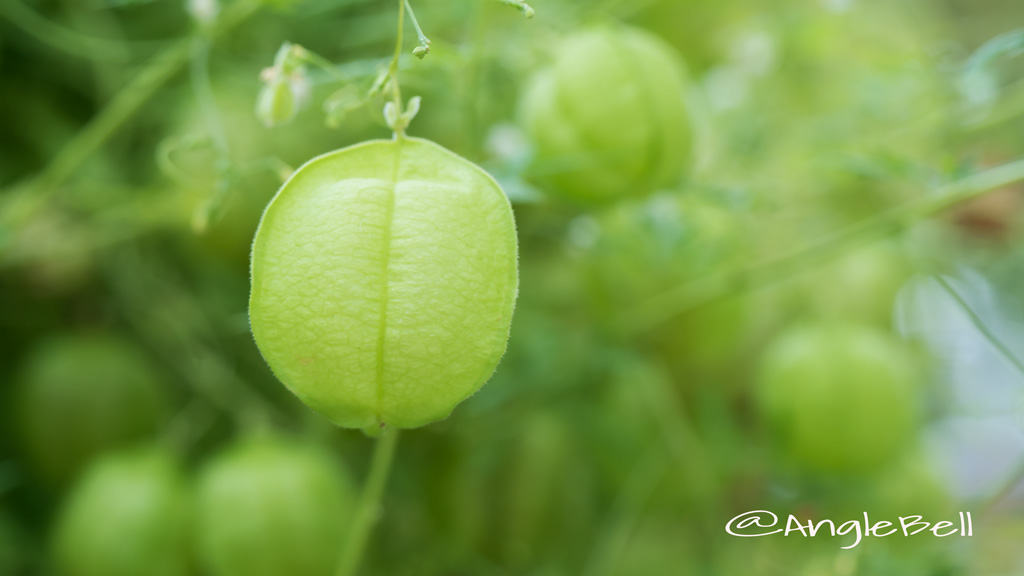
(276, 104)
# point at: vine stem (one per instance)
(396, 91)
(368, 507)
(67, 40)
(626, 513)
(980, 325)
(662, 308)
(989, 503)
(157, 72)
(420, 36)
(201, 85)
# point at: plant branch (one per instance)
(980, 325)
(396, 92)
(662, 308)
(424, 46)
(368, 507)
(67, 40)
(158, 71)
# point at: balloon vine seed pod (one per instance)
(610, 118)
(269, 506)
(840, 397)
(384, 276)
(128, 515)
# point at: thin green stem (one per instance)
(670, 304)
(161, 68)
(626, 513)
(205, 373)
(524, 8)
(122, 107)
(200, 76)
(396, 90)
(368, 507)
(424, 41)
(980, 325)
(680, 438)
(67, 40)
(325, 65)
(393, 68)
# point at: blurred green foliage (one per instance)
(134, 166)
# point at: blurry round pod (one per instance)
(128, 516)
(861, 286)
(270, 506)
(610, 118)
(643, 248)
(841, 398)
(82, 394)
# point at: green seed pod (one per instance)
(841, 398)
(82, 395)
(128, 516)
(276, 104)
(609, 119)
(270, 506)
(383, 281)
(861, 286)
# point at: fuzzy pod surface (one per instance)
(384, 277)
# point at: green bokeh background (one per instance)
(142, 433)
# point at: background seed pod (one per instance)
(129, 515)
(840, 397)
(383, 281)
(861, 286)
(83, 394)
(609, 119)
(622, 427)
(271, 506)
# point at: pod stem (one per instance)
(396, 91)
(368, 508)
